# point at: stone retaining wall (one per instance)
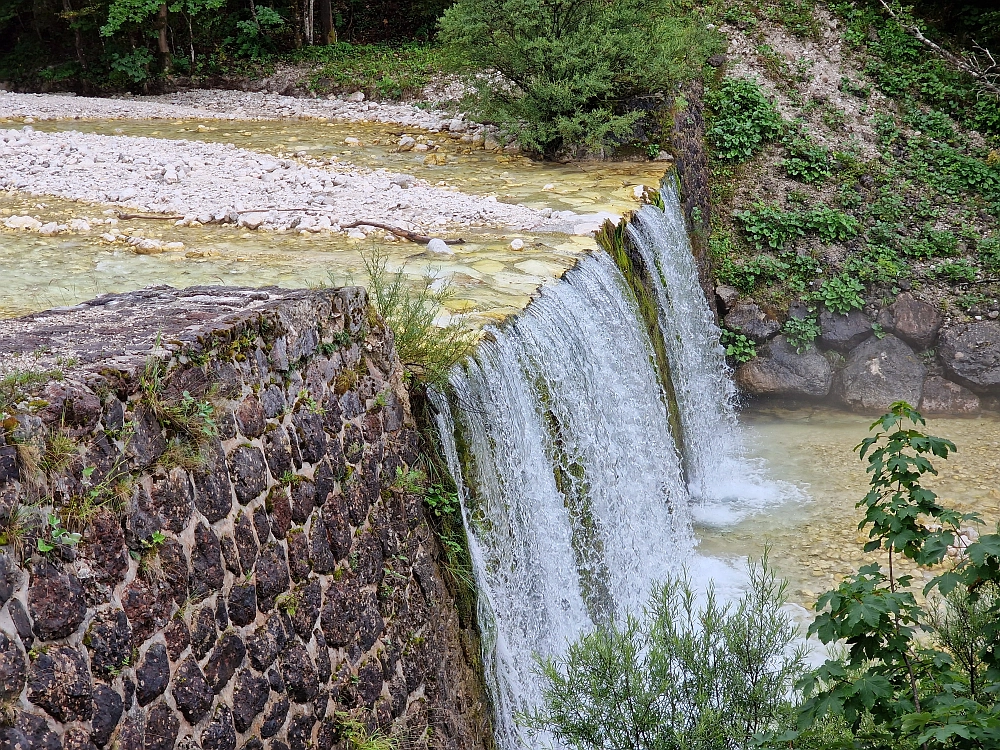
(254, 569)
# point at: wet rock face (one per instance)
(914, 321)
(941, 396)
(879, 372)
(240, 603)
(778, 370)
(747, 318)
(970, 354)
(843, 332)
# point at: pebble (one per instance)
(517, 244)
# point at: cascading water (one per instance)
(573, 491)
(578, 504)
(705, 393)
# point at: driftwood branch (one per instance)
(987, 76)
(406, 234)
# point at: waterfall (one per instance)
(577, 505)
(702, 384)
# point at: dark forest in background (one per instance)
(106, 46)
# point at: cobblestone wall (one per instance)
(252, 572)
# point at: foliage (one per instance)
(379, 70)
(576, 72)
(955, 271)
(739, 348)
(768, 226)
(937, 692)
(743, 120)
(685, 675)
(801, 332)
(841, 294)
(57, 536)
(989, 253)
(17, 523)
(807, 161)
(360, 737)
(442, 501)
(427, 351)
(187, 419)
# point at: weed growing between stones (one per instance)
(428, 351)
(184, 418)
(18, 525)
(14, 388)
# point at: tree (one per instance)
(574, 72)
(914, 672)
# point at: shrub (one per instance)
(427, 351)
(743, 120)
(768, 226)
(576, 71)
(841, 294)
(801, 332)
(682, 676)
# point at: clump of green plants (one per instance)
(955, 271)
(14, 387)
(739, 348)
(989, 253)
(574, 71)
(187, 417)
(410, 481)
(766, 225)
(925, 675)
(684, 675)
(841, 294)
(54, 536)
(807, 160)
(743, 120)
(428, 351)
(110, 493)
(801, 332)
(359, 737)
(17, 523)
(442, 501)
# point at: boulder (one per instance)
(727, 296)
(843, 332)
(879, 372)
(970, 353)
(941, 396)
(778, 370)
(747, 318)
(913, 321)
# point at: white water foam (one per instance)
(579, 506)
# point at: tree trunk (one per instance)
(77, 37)
(329, 33)
(308, 7)
(164, 48)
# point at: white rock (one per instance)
(352, 141)
(548, 186)
(50, 228)
(517, 244)
(79, 225)
(439, 246)
(421, 147)
(638, 191)
(458, 125)
(357, 234)
(406, 143)
(357, 96)
(22, 222)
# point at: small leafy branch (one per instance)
(149, 546)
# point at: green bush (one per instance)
(801, 332)
(427, 351)
(576, 72)
(743, 120)
(989, 253)
(841, 294)
(683, 676)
